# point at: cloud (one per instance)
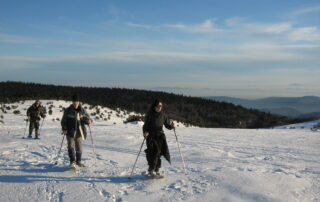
(296, 85)
(234, 56)
(186, 71)
(268, 28)
(234, 21)
(17, 39)
(285, 30)
(305, 34)
(238, 28)
(235, 25)
(9, 38)
(143, 26)
(306, 10)
(206, 27)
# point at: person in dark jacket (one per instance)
(73, 126)
(156, 140)
(35, 112)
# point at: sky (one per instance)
(245, 49)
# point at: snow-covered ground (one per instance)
(304, 126)
(222, 164)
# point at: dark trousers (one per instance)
(153, 152)
(34, 125)
(75, 148)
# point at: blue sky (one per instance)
(245, 48)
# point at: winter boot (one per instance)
(73, 165)
(157, 170)
(78, 156)
(151, 173)
(79, 164)
(29, 136)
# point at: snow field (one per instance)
(222, 164)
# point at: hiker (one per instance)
(156, 140)
(35, 112)
(73, 126)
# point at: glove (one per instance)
(145, 134)
(89, 121)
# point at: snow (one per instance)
(307, 125)
(222, 164)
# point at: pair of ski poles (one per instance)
(184, 166)
(95, 158)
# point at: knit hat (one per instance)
(75, 98)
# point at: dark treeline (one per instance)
(190, 110)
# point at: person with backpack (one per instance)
(35, 112)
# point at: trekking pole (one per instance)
(95, 156)
(59, 150)
(25, 129)
(184, 166)
(41, 125)
(134, 165)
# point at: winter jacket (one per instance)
(156, 140)
(154, 123)
(70, 123)
(35, 112)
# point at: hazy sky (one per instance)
(247, 48)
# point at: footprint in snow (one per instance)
(44, 148)
(113, 162)
(110, 196)
(6, 153)
(104, 193)
(178, 186)
(99, 157)
(123, 192)
(279, 170)
(191, 186)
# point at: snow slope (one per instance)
(306, 126)
(222, 164)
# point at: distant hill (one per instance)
(314, 114)
(284, 111)
(286, 106)
(189, 110)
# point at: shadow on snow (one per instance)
(88, 179)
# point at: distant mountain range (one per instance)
(303, 107)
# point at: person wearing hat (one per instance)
(156, 140)
(35, 112)
(73, 126)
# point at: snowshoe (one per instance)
(152, 175)
(73, 167)
(80, 165)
